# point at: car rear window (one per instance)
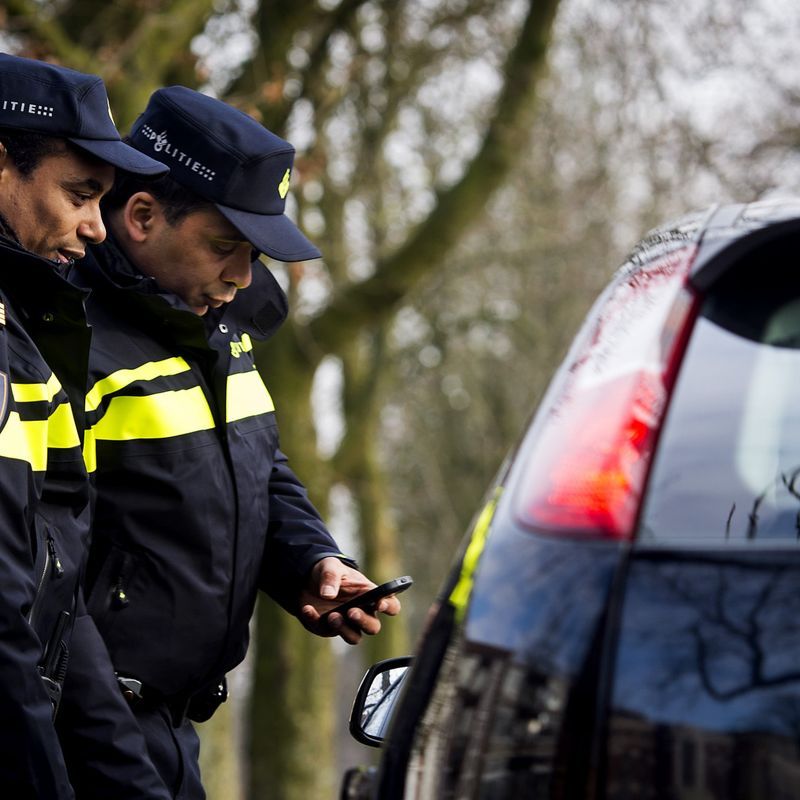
(727, 466)
(705, 700)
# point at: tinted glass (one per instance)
(706, 693)
(728, 462)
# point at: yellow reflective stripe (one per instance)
(89, 451)
(61, 430)
(36, 392)
(25, 441)
(155, 416)
(461, 593)
(124, 377)
(246, 396)
(29, 440)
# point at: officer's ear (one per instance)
(139, 214)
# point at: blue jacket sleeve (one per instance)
(296, 537)
(31, 763)
(105, 750)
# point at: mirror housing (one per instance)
(376, 698)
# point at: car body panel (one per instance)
(658, 665)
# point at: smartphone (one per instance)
(368, 600)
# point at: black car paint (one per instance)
(587, 614)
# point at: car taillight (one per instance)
(594, 440)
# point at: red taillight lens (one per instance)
(594, 440)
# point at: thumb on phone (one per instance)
(328, 577)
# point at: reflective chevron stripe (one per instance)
(246, 396)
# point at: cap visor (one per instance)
(122, 156)
(273, 234)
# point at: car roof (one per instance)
(723, 234)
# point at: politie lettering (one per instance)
(25, 107)
(161, 144)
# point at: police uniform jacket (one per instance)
(45, 634)
(196, 506)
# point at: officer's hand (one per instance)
(331, 583)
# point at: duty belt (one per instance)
(198, 707)
(140, 696)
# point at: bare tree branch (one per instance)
(374, 299)
(262, 81)
(47, 35)
(151, 52)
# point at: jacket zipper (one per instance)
(50, 559)
(51, 549)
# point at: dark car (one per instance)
(624, 618)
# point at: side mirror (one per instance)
(376, 698)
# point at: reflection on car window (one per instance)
(728, 463)
(706, 693)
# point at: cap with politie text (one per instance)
(57, 101)
(228, 158)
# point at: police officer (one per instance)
(58, 152)
(197, 507)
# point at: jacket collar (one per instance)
(36, 285)
(258, 310)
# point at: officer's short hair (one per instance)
(27, 149)
(176, 201)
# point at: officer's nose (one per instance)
(91, 227)
(239, 271)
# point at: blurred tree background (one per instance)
(472, 170)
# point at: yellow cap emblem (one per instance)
(283, 186)
(111, 116)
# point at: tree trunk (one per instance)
(291, 716)
(291, 712)
(220, 765)
(357, 464)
